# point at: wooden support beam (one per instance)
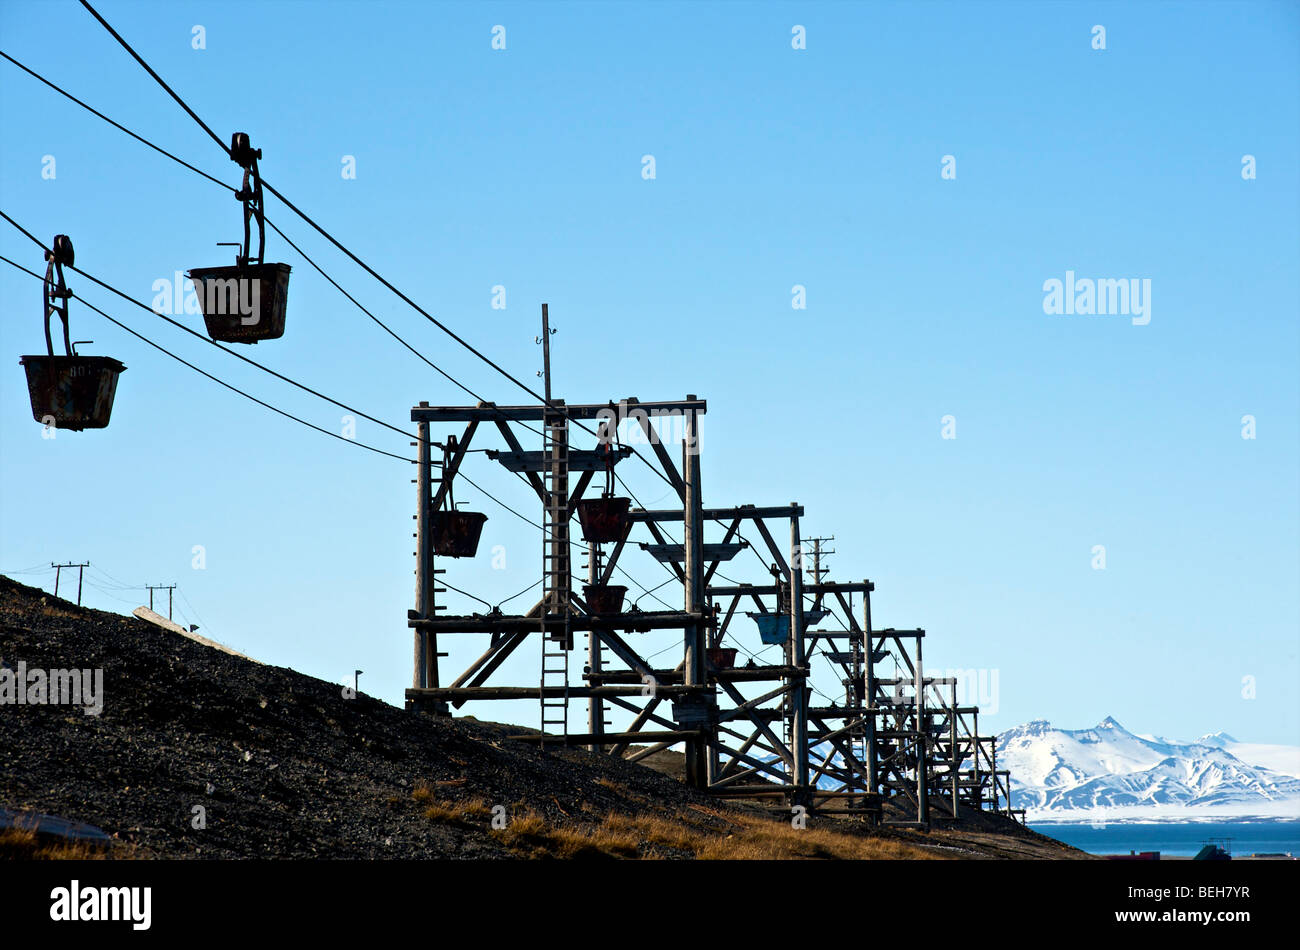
(744, 512)
(511, 440)
(668, 738)
(748, 710)
(490, 412)
(608, 571)
(663, 542)
(731, 533)
(771, 589)
(642, 717)
(536, 460)
(640, 621)
(665, 460)
(777, 556)
(676, 553)
(626, 653)
(484, 693)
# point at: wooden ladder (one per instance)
(557, 577)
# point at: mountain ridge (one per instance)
(1107, 773)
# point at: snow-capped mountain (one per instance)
(1107, 773)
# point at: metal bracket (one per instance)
(244, 155)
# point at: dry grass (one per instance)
(743, 838)
(528, 835)
(49, 610)
(22, 844)
(468, 812)
(678, 834)
(760, 839)
(694, 831)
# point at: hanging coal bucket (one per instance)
(722, 658)
(604, 519)
(70, 391)
(246, 302)
(773, 629)
(604, 599)
(456, 533)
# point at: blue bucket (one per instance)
(773, 628)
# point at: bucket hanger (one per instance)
(243, 154)
(56, 292)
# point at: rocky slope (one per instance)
(277, 764)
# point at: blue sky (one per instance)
(774, 167)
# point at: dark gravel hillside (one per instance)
(282, 764)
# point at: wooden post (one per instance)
(595, 702)
(922, 745)
(993, 770)
(799, 704)
(693, 551)
(952, 749)
(869, 701)
(546, 352)
(423, 559)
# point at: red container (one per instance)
(604, 519)
(604, 598)
(243, 304)
(76, 392)
(722, 658)
(456, 533)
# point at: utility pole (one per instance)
(818, 573)
(167, 587)
(58, 572)
(546, 352)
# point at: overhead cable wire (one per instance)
(559, 408)
(200, 336)
(220, 382)
(274, 227)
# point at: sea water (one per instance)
(1178, 839)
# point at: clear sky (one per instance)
(774, 167)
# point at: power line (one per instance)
(353, 257)
(306, 257)
(181, 591)
(157, 78)
(274, 227)
(34, 569)
(117, 125)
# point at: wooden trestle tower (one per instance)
(897, 748)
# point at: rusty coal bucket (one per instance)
(604, 519)
(722, 658)
(456, 533)
(242, 304)
(74, 392)
(604, 599)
